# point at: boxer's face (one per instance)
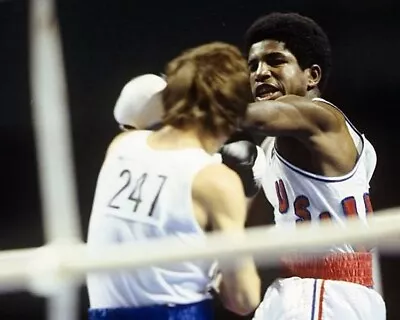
(274, 71)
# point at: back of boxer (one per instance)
(167, 182)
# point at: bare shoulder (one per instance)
(117, 139)
(219, 191)
(327, 117)
(216, 180)
(331, 111)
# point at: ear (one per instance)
(313, 74)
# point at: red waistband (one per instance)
(350, 267)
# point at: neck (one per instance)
(313, 93)
(170, 137)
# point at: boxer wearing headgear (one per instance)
(168, 183)
(139, 106)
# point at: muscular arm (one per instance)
(219, 191)
(292, 115)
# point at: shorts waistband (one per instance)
(195, 311)
(350, 267)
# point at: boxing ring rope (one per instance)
(52, 125)
(65, 262)
(53, 142)
(56, 269)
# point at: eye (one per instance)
(253, 65)
(276, 61)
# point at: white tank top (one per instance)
(297, 195)
(137, 198)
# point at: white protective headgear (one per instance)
(139, 104)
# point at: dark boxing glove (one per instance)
(245, 158)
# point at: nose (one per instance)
(263, 72)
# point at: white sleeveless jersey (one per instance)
(144, 194)
(297, 195)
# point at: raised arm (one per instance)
(292, 115)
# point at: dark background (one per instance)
(106, 43)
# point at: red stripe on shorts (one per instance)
(321, 300)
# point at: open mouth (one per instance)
(266, 91)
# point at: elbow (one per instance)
(240, 292)
(242, 302)
(243, 306)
